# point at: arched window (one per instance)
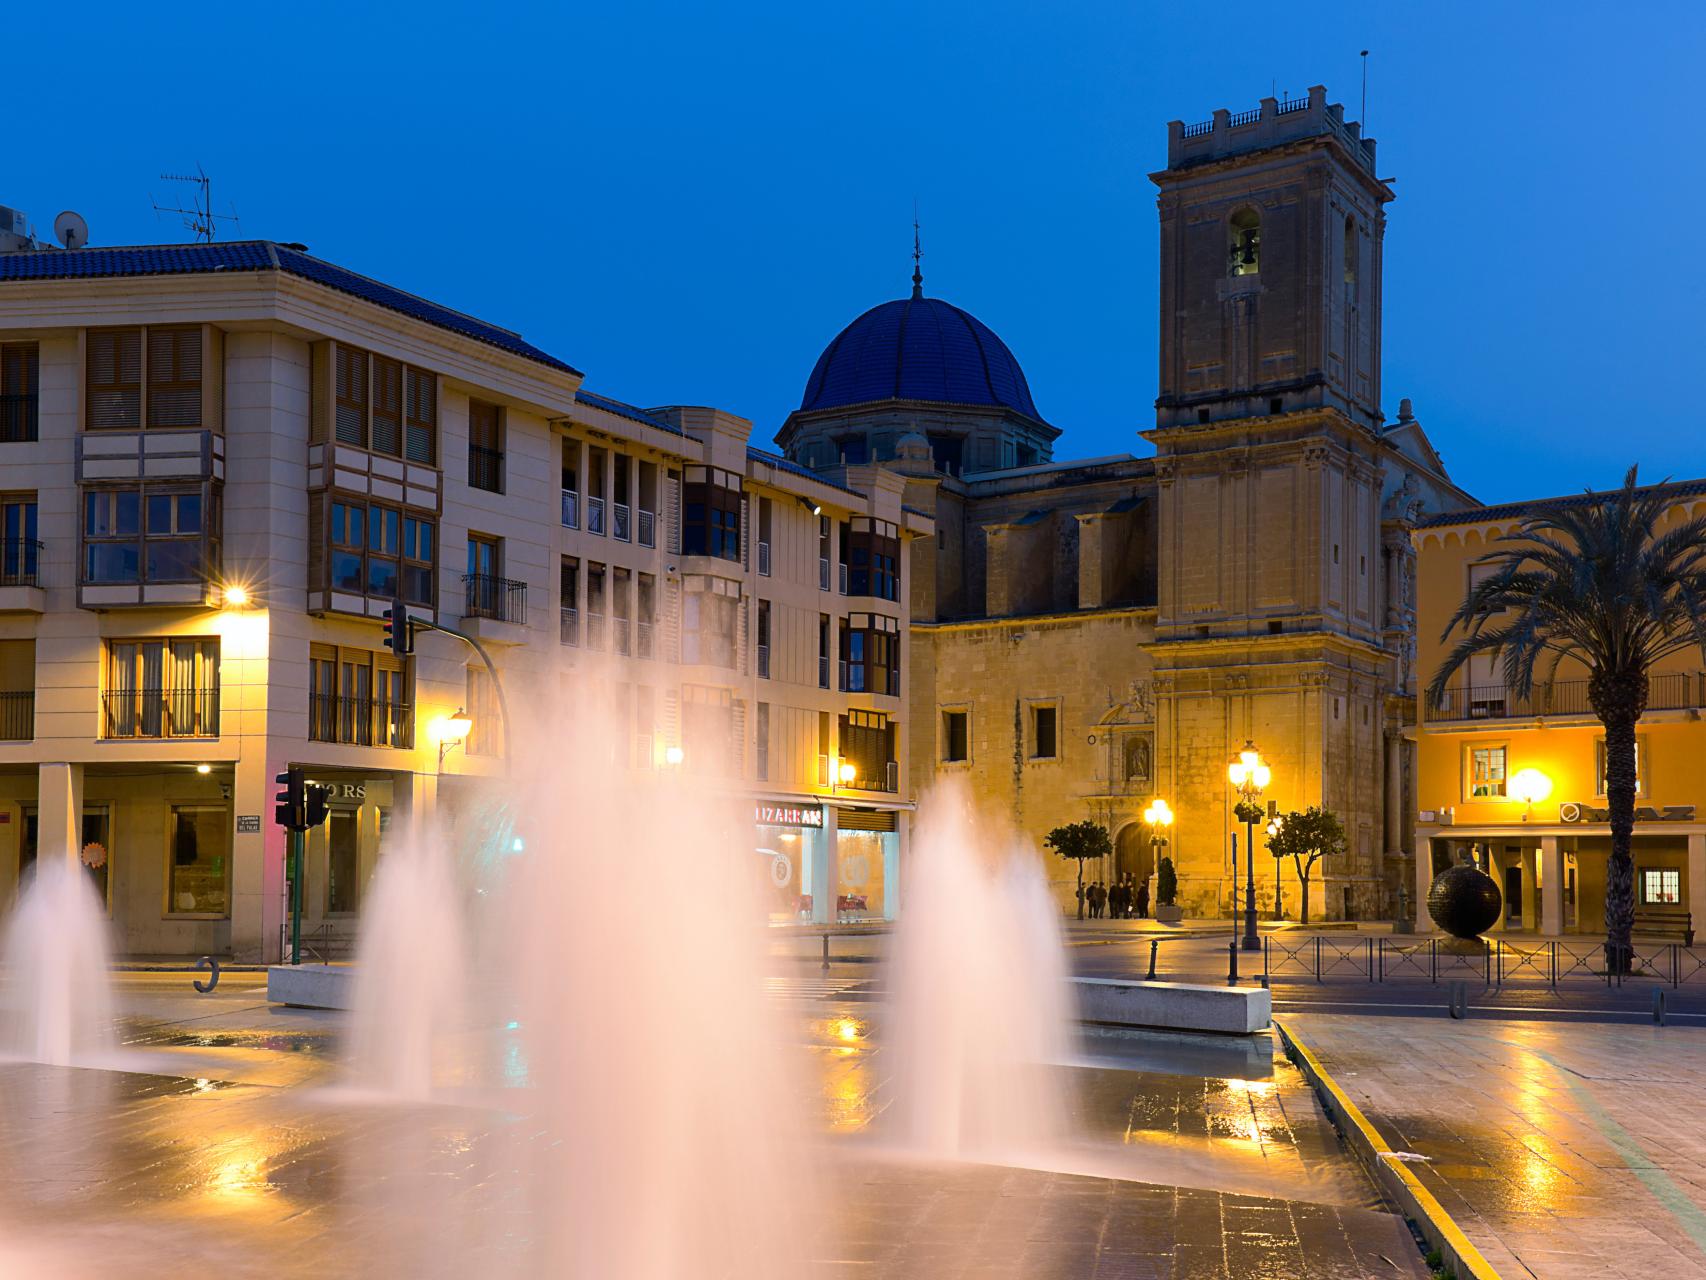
(1244, 252)
(1350, 250)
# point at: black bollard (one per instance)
(1659, 1005)
(826, 953)
(1154, 946)
(1232, 963)
(206, 962)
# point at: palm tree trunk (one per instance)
(1619, 699)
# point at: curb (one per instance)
(1418, 1203)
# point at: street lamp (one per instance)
(1159, 817)
(1249, 777)
(1274, 825)
(451, 731)
(1531, 787)
(842, 775)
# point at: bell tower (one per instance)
(1271, 229)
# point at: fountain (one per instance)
(58, 997)
(981, 1011)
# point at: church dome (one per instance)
(918, 348)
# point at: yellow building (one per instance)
(1517, 784)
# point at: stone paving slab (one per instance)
(1561, 1150)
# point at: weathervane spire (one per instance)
(917, 256)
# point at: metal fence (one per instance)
(1324, 959)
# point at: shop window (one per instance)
(1045, 722)
(199, 863)
(343, 862)
(956, 746)
(161, 689)
(1487, 772)
(1661, 887)
(1640, 765)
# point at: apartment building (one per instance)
(219, 463)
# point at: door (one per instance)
(1513, 896)
(1134, 856)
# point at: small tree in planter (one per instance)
(1306, 838)
(1166, 893)
(1078, 841)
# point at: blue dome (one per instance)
(918, 349)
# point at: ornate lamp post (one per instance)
(1249, 777)
(1159, 817)
(1274, 825)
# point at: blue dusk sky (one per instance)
(689, 201)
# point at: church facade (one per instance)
(1090, 635)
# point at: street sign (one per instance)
(248, 823)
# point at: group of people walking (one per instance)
(1126, 899)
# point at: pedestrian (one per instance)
(1142, 899)
(1129, 897)
(1099, 903)
(1124, 912)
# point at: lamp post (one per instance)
(1274, 825)
(1249, 777)
(1159, 817)
(451, 731)
(1529, 786)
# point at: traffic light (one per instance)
(314, 804)
(291, 812)
(399, 638)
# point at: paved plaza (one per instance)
(226, 1149)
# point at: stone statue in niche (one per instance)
(1139, 757)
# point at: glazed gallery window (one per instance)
(1640, 765)
(161, 689)
(385, 406)
(1661, 888)
(146, 534)
(120, 398)
(94, 852)
(710, 505)
(1045, 724)
(956, 745)
(199, 862)
(870, 654)
(1487, 772)
(384, 551)
(870, 552)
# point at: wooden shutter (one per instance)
(174, 376)
(387, 407)
(421, 420)
(115, 379)
(351, 409)
(672, 513)
(483, 425)
(18, 369)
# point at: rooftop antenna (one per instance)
(199, 217)
(917, 256)
(1364, 114)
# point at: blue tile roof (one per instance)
(624, 410)
(918, 349)
(793, 468)
(260, 255)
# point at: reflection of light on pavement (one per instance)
(846, 1029)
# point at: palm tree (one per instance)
(1595, 580)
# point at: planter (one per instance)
(1169, 914)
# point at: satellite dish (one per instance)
(70, 230)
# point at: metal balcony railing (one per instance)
(18, 419)
(764, 559)
(569, 628)
(1670, 691)
(764, 661)
(485, 468)
(644, 637)
(571, 509)
(623, 636)
(20, 563)
(873, 776)
(595, 631)
(648, 530)
(501, 599)
(360, 722)
(620, 526)
(823, 672)
(843, 579)
(595, 515)
(158, 713)
(17, 716)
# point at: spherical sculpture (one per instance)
(1464, 901)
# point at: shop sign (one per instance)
(248, 823)
(788, 815)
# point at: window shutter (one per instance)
(745, 533)
(115, 379)
(351, 424)
(670, 650)
(18, 369)
(743, 637)
(483, 425)
(174, 376)
(737, 739)
(421, 416)
(387, 407)
(672, 512)
(672, 717)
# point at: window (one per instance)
(161, 689)
(646, 596)
(823, 651)
(114, 379)
(1350, 250)
(1044, 723)
(955, 746)
(1661, 888)
(867, 743)
(383, 551)
(174, 376)
(20, 551)
(20, 389)
(1244, 253)
(761, 731)
(1486, 772)
(711, 513)
(765, 517)
(855, 450)
(708, 731)
(1640, 765)
(485, 447)
(359, 696)
(823, 528)
(385, 406)
(146, 534)
(870, 550)
(200, 866)
(870, 655)
(482, 706)
(343, 862)
(709, 618)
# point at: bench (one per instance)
(1173, 1006)
(1670, 926)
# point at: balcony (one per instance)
(595, 631)
(822, 573)
(623, 636)
(621, 523)
(571, 509)
(17, 716)
(20, 576)
(648, 528)
(18, 419)
(569, 628)
(1671, 691)
(500, 599)
(595, 515)
(360, 722)
(868, 775)
(858, 678)
(843, 579)
(485, 468)
(823, 672)
(158, 713)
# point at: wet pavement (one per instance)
(1562, 1151)
(224, 1150)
